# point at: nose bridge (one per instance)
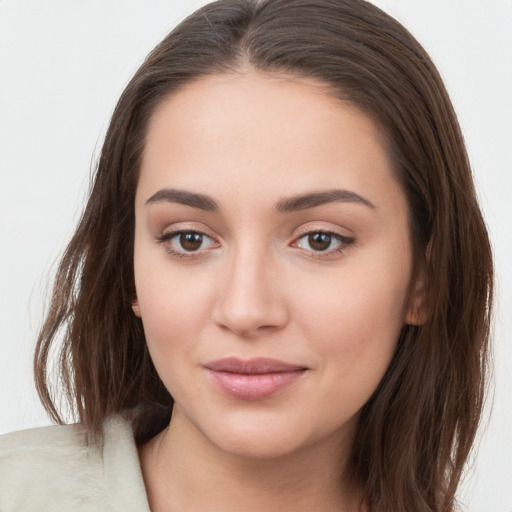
(249, 300)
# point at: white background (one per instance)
(63, 65)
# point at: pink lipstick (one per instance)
(254, 379)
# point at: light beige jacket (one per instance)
(53, 469)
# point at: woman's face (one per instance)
(273, 261)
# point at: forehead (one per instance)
(256, 133)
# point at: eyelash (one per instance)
(166, 240)
(345, 243)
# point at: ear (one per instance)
(135, 306)
(416, 313)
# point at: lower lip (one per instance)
(254, 386)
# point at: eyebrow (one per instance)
(305, 201)
(201, 201)
(286, 205)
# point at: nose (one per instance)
(251, 296)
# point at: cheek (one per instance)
(173, 316)
(353, 319)
(173, 307)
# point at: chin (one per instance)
(265, 445)
(248, 434)
(263, 436)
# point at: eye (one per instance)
(323, 242)
(186, 243)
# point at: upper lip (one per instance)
(260, 365)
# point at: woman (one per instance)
(283, 250)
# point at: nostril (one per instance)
(268, 328)
(246, 329)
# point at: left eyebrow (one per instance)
(305, 201)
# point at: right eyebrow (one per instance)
(192, 199)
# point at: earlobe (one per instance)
(136, 307)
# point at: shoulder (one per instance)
(37, 466)
(55, 468)
(45, 439)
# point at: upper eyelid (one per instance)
(315, 226)
(328, 231)
(325, 231)
(174, 232)
(185, 227)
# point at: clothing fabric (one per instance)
(54, 469)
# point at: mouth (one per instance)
(254, 379)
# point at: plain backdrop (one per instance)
(63, 65)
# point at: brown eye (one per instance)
(324, 243)
(187, 243)
(190, 241)
(319, 241)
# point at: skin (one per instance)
(256, 288)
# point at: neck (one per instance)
(183, 471)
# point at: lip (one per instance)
(253, 379)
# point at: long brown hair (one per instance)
(417, 429)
